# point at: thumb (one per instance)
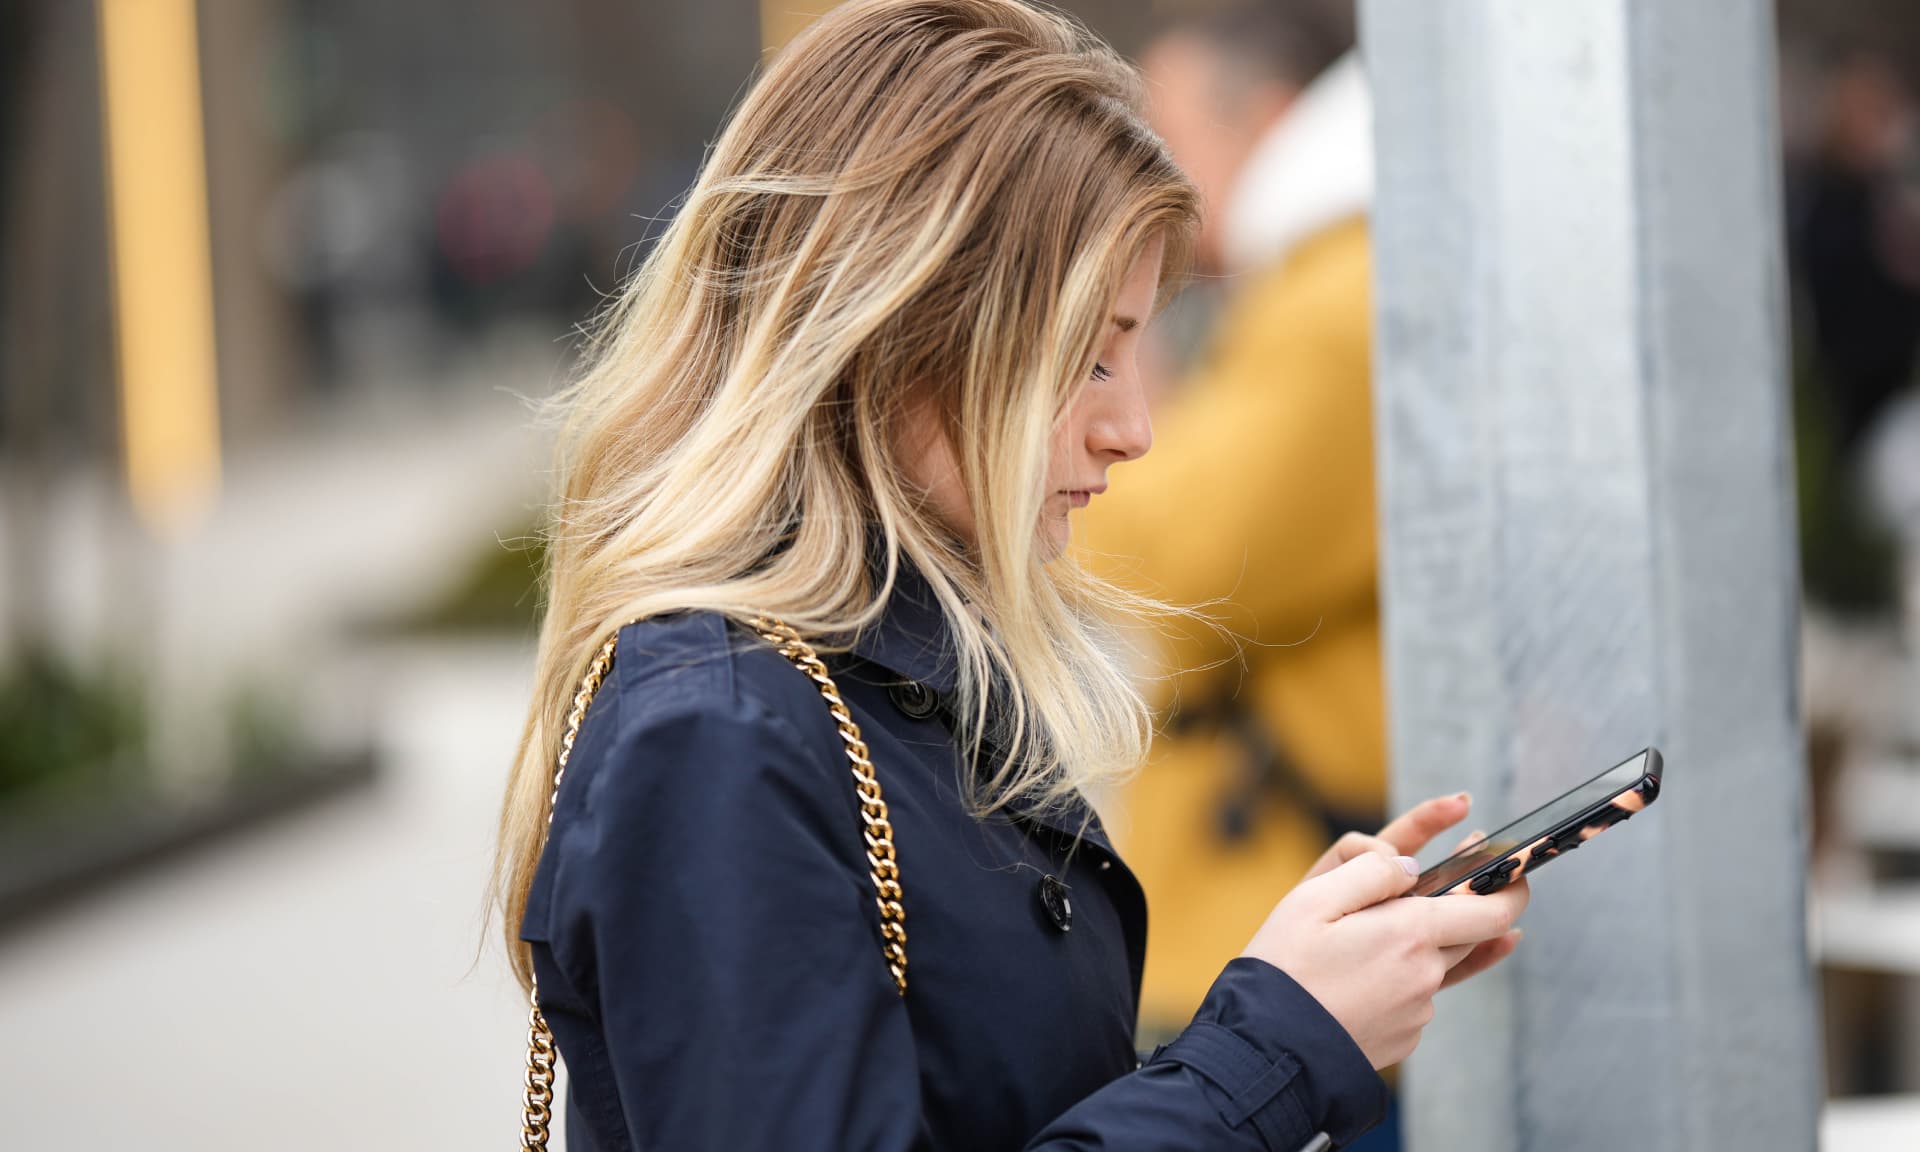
(1361, 882)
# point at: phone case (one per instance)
(1497, 874)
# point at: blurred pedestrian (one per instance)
(1258, 499)
(1856, 245)
(826, 694)
(1854, 232)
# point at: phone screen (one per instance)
(1532, 826)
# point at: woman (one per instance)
(882, 352)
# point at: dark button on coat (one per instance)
(707, 944)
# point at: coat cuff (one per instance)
(1278, 1060)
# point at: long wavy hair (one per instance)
(919, 200)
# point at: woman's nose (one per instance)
(1122, 428)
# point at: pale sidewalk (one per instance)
(314, 984)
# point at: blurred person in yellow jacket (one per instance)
(1258, 498)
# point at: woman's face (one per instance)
(1105, 425)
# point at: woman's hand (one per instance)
(1408, 834)
(1373, 961)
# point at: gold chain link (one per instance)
(537, 1101)
(884, 865)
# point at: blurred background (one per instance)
(280, 284)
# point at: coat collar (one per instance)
(911, 639)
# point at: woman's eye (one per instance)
(1102, 372)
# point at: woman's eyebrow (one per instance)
(1126, 323)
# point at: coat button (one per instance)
(1053, 897)
(914, 699)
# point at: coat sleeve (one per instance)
(1263, 1067)
(708, 906)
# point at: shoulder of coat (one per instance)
(703, 662)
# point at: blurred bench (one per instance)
(1872, 928)
(1877, 804)
(1871, 1124)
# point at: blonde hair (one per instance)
(932, 199)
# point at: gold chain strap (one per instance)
(884, 865)
(537, 1101)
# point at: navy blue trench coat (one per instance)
(707, 944)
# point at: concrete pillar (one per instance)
(1587, 510)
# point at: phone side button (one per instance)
(1489, 882)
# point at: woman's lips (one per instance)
(1079, 497)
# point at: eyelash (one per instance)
(1102, 372)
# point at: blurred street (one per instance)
(317, 981)
(313, 984)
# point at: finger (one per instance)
(1361, 882)
(1357, 843)
(1466, 918)
(1420, 824)
(1346, 848)
(1484, 956)
(1519, 894)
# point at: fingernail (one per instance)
(1410, 864)
(1465, 797)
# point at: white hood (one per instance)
(1313, 169)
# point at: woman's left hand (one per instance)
(1406, 836)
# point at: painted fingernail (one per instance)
(1410, 864)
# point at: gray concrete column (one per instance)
(1587, 510)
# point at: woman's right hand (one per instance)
(1373, 961)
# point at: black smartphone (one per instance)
(1553, 829)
